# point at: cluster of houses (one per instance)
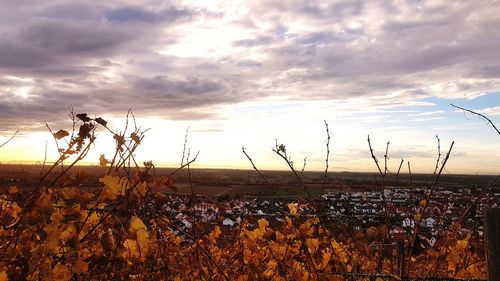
(359, 210)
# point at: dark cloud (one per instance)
(259, 41)
(162, 85)
(74, 38)
(175, 99)
(130, 14)
(19, 56)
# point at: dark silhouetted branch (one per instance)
(253, 165)
(423, 209)
(409, 171)
(480, 115)
(386, 157)
(374, 158)
(185, 143)
(327, 154)
(184, 165)
(399, 170)
(6, 142)
(303, 166)
(439, 154)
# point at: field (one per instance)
(127, 221)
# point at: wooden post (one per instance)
(492, 242)
(400, 251)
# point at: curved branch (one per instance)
(6, 142)
(478, 114)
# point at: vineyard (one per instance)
(57, 231)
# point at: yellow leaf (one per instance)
(214, 234)
(270, 268)
(243, 278)
(340, 252)
(312, 244)
(417, 216)
(60, 273)
(13, 190)
(325, 260)
(13, 211)
(103, 162)
(140, 189)
(307, 228)
(422, 203)
(279, 236)
(3, 276)
(293, 209)
(263, 224)
(81, 266)
(71, 192)
(137, 248)
(68, 233)
(113, 187)
(53, 230)
(41, 211)
(131, 249)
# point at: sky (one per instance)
(256, 73)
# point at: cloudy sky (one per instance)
(250, 72)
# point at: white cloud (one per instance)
(493, 111)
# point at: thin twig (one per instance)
(44, 161)
(428, 197)
(183, 166)
(281, 151)
(253, 165)
(386, 158)
(439, 154)
(396, 180)
(381, 186)
(303, 167)
(327, 155)
(409, 172)
(374, 158)
(457, 225)
(480, 115)
(6, 142)
(185, 143)
(204, 251)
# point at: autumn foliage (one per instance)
(115, 232)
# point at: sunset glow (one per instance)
(248, 73)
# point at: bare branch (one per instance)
(421, 212)
(303, 166)
(184, 165)
(374, 158)
(185, 143)
(409, 171)
(253, 165)
(456, 227)
(439, 154)
(386, 158)
(480, 115)
(327, 155)
(6, 142)
(281, 151)
(397, 175)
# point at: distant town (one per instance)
(347, 202)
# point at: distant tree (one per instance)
(223, 197)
